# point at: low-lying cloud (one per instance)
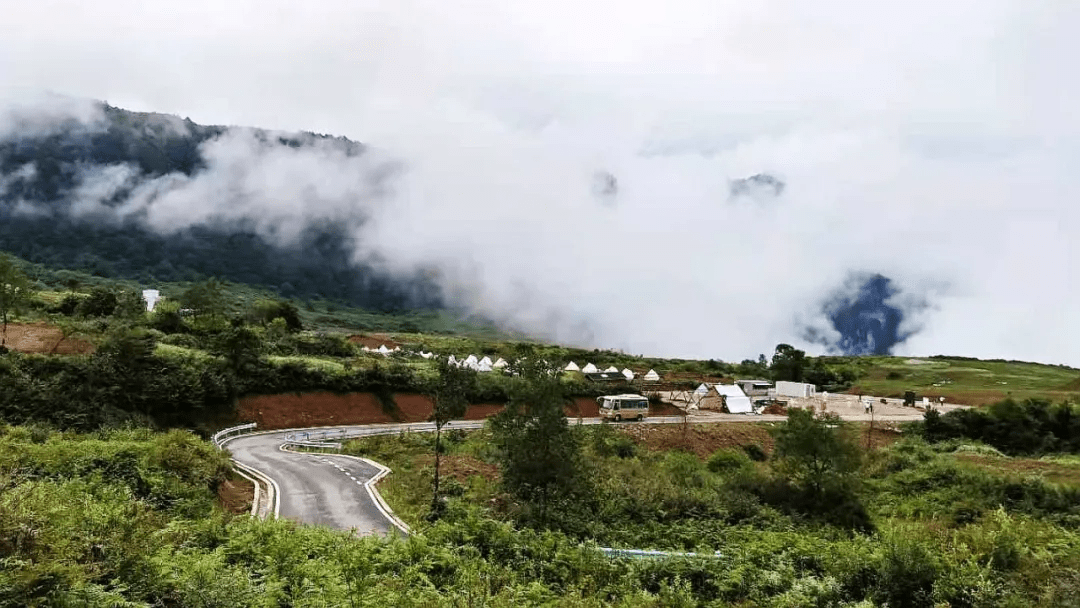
(568, 170)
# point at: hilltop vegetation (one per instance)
(48, 176)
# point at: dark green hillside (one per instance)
(40, 174)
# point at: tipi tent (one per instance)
(629, 375)
(701, 389)
(384, 350)
(572, 367)
(611, 370)
(484, 365)
(590, 369)
(652, 376)
(728, 397)
(501, 363)
(452, 360)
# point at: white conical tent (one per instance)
(572, 367)
(589, 369)
(471, 360)
(611, 370)
(501, 363)
(485, 362)
(383, 349)
(701, 389)
(652, 376)
(452, 360)
(629, 375)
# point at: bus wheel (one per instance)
(640, 417)
(618, 417)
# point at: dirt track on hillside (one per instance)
(43, 338)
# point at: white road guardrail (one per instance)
(266, 497)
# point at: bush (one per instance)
(755, 452)
(908, 572)
(725, 460)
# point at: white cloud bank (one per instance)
(932, 142)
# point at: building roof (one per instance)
(734, 398)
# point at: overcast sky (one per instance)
(933, 142)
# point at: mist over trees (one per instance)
(43, 176)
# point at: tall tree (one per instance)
(15, 292)
(451, 400)
(817, 453)
(788, 363)
(206, 298)
(540, 454)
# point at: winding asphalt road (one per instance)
(326, 489)
(337, 491)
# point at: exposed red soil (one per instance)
(414, 408)
(292, 410)
(701, 439)
(43, 338)
(374, 341)
(482, 410)
(234, 495)
(884, 435)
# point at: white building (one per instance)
(800, 390)
(151, 296)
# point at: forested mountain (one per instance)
(67, 187)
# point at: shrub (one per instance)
(725, 460)
(755, 452)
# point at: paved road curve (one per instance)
(329, 489)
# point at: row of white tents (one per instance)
(481, 365)
(650, 376)
(382, 350)
(485, 364)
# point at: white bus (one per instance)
(623, 407)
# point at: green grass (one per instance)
(966, 381)
(323, 363)
(181, 353)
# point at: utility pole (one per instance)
(870, 431)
